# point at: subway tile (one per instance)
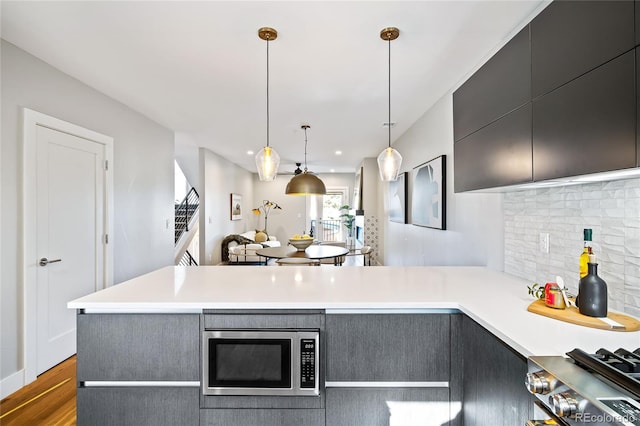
(632, 309)
(613, 185)
(612, 240)
(613, 212)
(613, 203)
(590, 204)
(632, 204)
(632, 192)
(606, 256)
(632, 183)
(611, 209)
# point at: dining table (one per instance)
(315, 251)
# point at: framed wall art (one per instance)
(236, 207)
(398, 199)
(428, 197)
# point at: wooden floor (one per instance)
(50, 400)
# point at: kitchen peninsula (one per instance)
(139, 342)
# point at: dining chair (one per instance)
(366, 254)
(332, 261)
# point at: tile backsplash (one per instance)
(611, 209)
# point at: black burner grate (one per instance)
(620, 367)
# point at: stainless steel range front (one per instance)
(601, 389)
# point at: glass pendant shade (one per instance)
(389, 162)
(267, 162)
(305, 184)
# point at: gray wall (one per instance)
(474, 234)
(143, 179)
(218, 179)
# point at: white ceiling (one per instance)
(200, 68)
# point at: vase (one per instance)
(351, 242)
(592, 294)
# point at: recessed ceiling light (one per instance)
(332, 170)
(249, 152)
(338, 152)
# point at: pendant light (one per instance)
(389, 160)
(305, 183)
(267, 160)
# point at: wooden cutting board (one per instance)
(572, 315)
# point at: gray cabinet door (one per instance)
(493, 380)
(497, 88)
(570, 38)
(138, 347)
(381, 407)
(499, 154)
(587, 125)
(138, 406)
(388, 347)
(257, 417)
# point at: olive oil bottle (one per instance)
(588, 250)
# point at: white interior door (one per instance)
(70, 212)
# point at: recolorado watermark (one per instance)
(606, 418)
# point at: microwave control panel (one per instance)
(307, 363)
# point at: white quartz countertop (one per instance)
(495, 300)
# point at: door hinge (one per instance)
(106, 238)
(106, 164)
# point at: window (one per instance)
(325, 214)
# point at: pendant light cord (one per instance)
(389, 122)
(268, 90)
(305, 148)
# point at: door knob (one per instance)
(44, 261)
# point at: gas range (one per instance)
(600, 389)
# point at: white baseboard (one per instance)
(12, 383)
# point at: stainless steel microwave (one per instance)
(260, 362)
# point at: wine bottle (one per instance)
(584, 257)
(592, 292)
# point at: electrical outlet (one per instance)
(544, 242)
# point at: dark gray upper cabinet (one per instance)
(570, 38)
(496, 155)
(637, 6)
(588, 125)
(637, 109)
(500, 86)
(388, 347)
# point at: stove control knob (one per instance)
(564, 404)
(540, 382)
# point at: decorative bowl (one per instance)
(301, 244)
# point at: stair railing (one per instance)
(188, 260)
(186, 209)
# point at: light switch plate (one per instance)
(544, 242)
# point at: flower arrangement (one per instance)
(265, 208)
